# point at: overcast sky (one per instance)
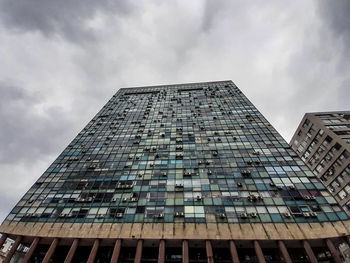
(60, 61)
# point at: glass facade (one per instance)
(195, 152)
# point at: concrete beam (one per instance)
(93, 252)
(31, 250)
(51, 250)
(71, 251)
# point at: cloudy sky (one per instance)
(60, 61)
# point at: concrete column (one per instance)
(71, 251)
(116, 251)
(233, 250)
(13, 249)
(93, 252)
(333, 250)
(309, 252)
(31, 250)
(51, 250)
(3, 239)
(284, 252)
(258, 251)
(209, 249)
(138, 255)
(185, 258)
(161, 254)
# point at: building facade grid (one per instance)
(186, 153)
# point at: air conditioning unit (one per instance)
(243, 215)
(119, 215)
(63, 215)
(239, 184)
(114, 199)
(306, 215)
(134, 199)
(160, 216)
(199, 198)
(179, 214)
(100, 216)
(179, 186)
(246, 173)
(253, 215)
(254, 197)
(93, 166)
(287, 215)
(292, 187)
(313, 214)
(221, 215)
(272, 184)
(124, 199)
(309, 197)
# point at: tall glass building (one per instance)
(178, 173)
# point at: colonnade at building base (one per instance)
(44, 249)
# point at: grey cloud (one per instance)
(29, 130)
(336, 20)
(344, 93)
(276, 52)
(336, 16)
(65, 18)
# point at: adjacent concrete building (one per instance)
(178, 173)
(322, 140)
